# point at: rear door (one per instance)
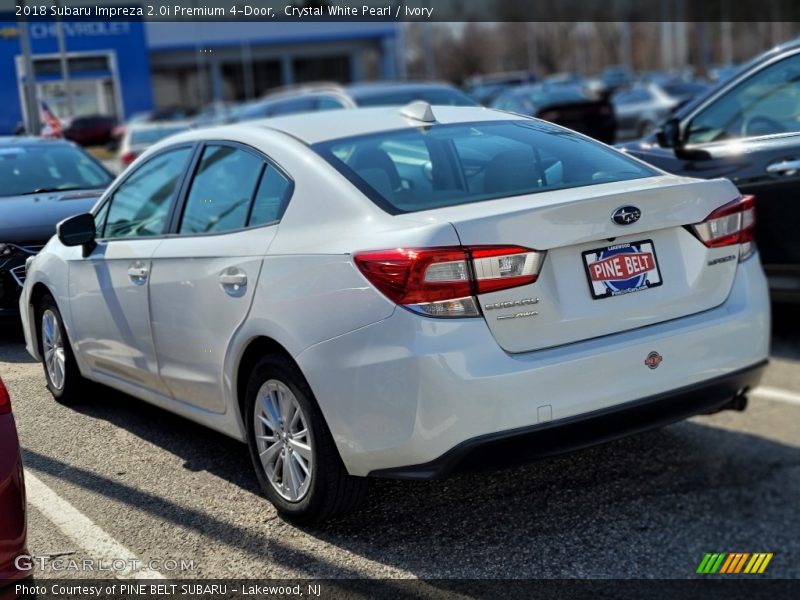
(203, 278)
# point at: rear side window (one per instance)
(271, 198)
(221, 191)
(421, 169)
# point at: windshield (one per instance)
(26, 169)
(445, 165)
(151, 136)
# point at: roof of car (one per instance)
(316, 127)
(313, 128)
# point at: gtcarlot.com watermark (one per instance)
(63, 564)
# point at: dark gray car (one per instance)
(41, 183)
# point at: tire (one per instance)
(322, 488)
(65, 383)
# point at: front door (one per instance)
(109, 289)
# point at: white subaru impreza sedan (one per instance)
(403, 292)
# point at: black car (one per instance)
(571, 106)
(748, 130)
(42, 181)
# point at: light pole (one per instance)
(33, 123)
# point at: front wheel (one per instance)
(295, 458)
(61, 372)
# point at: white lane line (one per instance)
(101, 547)
(771, 393)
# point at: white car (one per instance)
(402, 292)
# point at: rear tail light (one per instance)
(5, 400)
(128, 158)
(443, 282)
(730, 225)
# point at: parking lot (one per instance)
(117, 476)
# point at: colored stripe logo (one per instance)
(732, 563)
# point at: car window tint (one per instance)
(221, 190)
(271, 198)
(140, 205)
(445, 165)
(766, 103)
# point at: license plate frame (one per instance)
(621, 260)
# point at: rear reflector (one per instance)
(443, 282)
(5, 400)
(730, 225)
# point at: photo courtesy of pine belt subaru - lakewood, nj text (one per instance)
(402, 292)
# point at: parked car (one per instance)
(570, 106)
(41, 183)
(684, 91)
(93, 130)
(401, 291)
(392, 93)
(315, 98)
(640, 108)
(748, 130)
(141, 136)
(158, 115)
(300, 99)
(615, 77)
(13, 524)
(485, 88)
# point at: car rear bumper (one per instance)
(409, 390)
(582, 431)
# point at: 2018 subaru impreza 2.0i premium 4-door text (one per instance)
(397, 292)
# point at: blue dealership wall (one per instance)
(126, 40)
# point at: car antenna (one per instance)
(419, 110)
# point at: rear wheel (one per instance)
(63, 377)
(293, 452)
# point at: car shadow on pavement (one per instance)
(659, 499)
(12, 342)
(785, 331)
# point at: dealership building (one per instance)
(120, 68)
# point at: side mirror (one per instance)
(78, 231)
(669, 134)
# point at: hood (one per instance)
(33, 217)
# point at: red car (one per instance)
(13, 518)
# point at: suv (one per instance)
(748, 130)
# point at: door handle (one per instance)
(138, 272)
(233, 281)
(784, 167)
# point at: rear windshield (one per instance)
(421, 169)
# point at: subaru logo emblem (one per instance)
(626, 215)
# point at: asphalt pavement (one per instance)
(118, 476)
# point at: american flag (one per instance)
(52, 121)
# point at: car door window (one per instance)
(329, 103)
(766, 103)
(271, 198)
(140, 205)
(221, 191)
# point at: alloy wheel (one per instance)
(53, 347)
(283, 440)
